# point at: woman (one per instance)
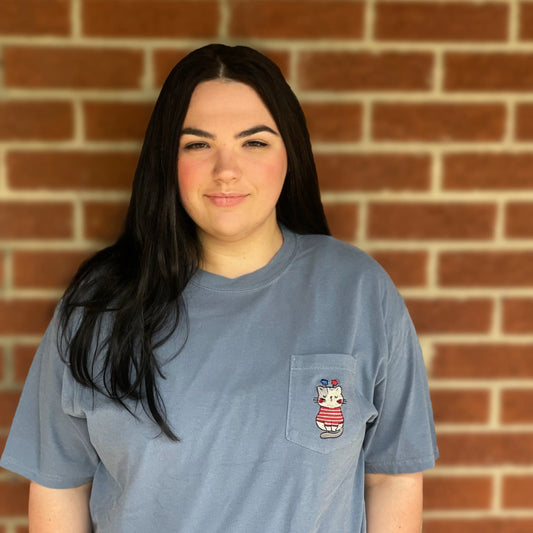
(226, 366)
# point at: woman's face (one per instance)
(231, 162)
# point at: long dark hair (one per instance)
(138, 280)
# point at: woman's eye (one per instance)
(255, 144)
(195, 146)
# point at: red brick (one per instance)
(333, 122)
(36, 121)
(518, 492)
(516, 406)
(438, 122)
(22, 358)
(25, 220)
(72, 68)
(342, 220)
(457, 493)
(25, 317)
(524, 122)
(296, 19)
(526, 21)
(165, 60)
(373, 172)
(9, 401)
(150, 18)
(479, 525)
(407, 269)
(431, 221)
(447, 315)
(488, 171)
(14, 498)
(68, 170)
(448, 21)
(485, 449)
(104, 220)
(458, 406)
(27, 17)
(518, 220)
(116, 121)
(486, 269)
(488, 71)
(482, 361)
(518, 315)
(45, 269)
(365, 71)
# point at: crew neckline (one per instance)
(256, 279)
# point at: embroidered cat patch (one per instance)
(330, 418)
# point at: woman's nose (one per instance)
(226, 166)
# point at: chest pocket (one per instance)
(325, 410)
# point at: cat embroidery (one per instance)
(329, 418)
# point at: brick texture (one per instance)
(364, 172)
(430, 221)
(486, 269)
(518, 315)
(446, 21)
(72, 68)
(487, 171)
(150, 18)
(364, 71)
(516, 406)
(71, 170)
(407, 269)
(36, 121)
(460, 406)
(276, 19)
(33, 269)
(116, 121)
(477, 361)
(518, 492)
(421, 118)
(24, 220)
(437, 122)
(485, 71)
(457, 493)
(28, 18)
(103, 220)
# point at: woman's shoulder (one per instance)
(338, 255)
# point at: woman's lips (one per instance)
(226, 200)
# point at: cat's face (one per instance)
(330, 396)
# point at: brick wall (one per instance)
(421, 115)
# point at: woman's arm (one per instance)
(59, 510)
(393, 503)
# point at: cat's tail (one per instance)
(332, 434)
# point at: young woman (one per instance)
(226, 365)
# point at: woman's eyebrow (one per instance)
(198, 132)
(246, 133)
(254, 130)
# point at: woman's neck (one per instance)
(232, 259)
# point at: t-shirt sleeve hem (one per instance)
(401, 467)
(46, 480)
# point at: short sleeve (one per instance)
(48, 441)
(402, 437)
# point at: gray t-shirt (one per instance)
(294, 381)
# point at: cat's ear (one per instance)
(322, 391)
(337, 390)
